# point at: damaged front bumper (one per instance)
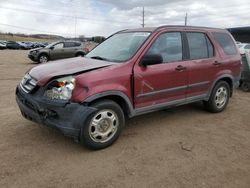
(65, 116)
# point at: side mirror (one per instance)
(52, 47)
(151, 59)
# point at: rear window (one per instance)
(226, 43)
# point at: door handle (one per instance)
(216, 63)
(180, 68)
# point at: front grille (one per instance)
(24, 101)
(28, 83)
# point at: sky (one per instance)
(72, 18)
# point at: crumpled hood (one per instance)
(44, 72)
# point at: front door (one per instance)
(58, 51)
(165, 83)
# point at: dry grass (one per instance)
(19, 38)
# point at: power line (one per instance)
(31, 29)
(61, 15)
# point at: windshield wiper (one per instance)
(98, 57)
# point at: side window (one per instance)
(77, 44)
(58, 46)
(69, 44)
(200, 46)
(226, 43)
(169, 45)
(247, 46)
(210, 48)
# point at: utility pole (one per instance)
(75, 26)
(143, 15)
(186, 19)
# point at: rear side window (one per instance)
(200, 46)
(226, 43)
(77, 44)
(69, 44)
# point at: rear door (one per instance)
(204, 64)
(70, 49)
(160, 84)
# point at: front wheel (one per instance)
(43, 58)
(103, 127)
(219, 97)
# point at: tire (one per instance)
(219, 97)
(43, 58)
(103, 127)
(245, 86)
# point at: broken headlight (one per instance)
(61, 88)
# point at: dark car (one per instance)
(2, 45)
(131, 73)
(57, 50)
(13, 45)
(24, 46)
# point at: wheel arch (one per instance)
(80, 52)
(117, 96)
(227, 78)
(44, 53)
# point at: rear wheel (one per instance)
(245, 86)
(103, 127)
(43, 58)
(219, 97)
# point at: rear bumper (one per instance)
(66, 117)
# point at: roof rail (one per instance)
(183, 26)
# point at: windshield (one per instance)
(119, 47)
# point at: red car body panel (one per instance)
(137, 82)
(43, 73)
(136, 86)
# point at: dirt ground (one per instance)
(179, 147)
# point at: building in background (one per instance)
(241, 34)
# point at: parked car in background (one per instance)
(24, 46)
(13, 45)
(29, 45)
(243, 46)
(131, 73)
(58, 50)
(39, 45)
(245, 71)
(2, 45)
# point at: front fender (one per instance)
(120, 94)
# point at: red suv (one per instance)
(131, 73)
